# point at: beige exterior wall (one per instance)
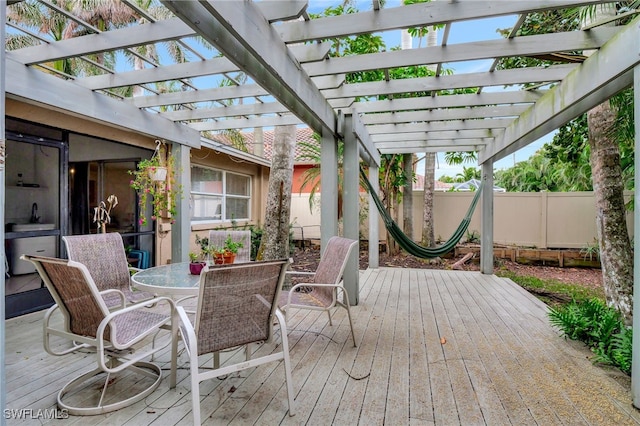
(304, 221)
(87, 130)
(542, 220)
(260, 185)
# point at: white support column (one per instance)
(374, 226)
(329, 185)
(635, 361)
(351, 206)
(3, 389)
(181, 229)
(486, 231)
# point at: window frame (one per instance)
(224, 196)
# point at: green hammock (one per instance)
(407, 243)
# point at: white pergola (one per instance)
(292, 80)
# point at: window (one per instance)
(219, 196)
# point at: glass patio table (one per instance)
(167, 280)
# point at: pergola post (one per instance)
(374, 226)
(181, 229)
(635, 361)
(486, 230)
(351, 206)
(329, 185)
(3, 74)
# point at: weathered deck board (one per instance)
(499, 363)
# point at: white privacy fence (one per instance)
(525, 219)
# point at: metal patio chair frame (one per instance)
(322, 291)
(116, 339)
(105, 258)
(237, 306)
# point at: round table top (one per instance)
(168, 280)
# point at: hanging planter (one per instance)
(158, 174)
(155, 178)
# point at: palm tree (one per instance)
(275, 239)
(468, 173)
(615, 247)
(616, 255)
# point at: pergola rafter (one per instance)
(292, 80)
(303, 85)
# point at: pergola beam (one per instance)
(444, 114)
(437, 126)
(429, 102)
(304, 53)
(36, 87)
(519, 46)
(278, 10)
(414, 15)
(170, 29)
(364, 139)
(242, 34)
(454, 81)
(440, 135)
(435, 148)
(246, 123)
(443, 144)
(601, 76)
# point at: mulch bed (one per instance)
(307, 260)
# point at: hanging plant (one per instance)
(155, 178)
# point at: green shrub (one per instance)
(600, 327)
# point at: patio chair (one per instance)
(322, 290)
(119, 340)
(237, 305)
(217, 237)
(105, 258)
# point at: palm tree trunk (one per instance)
(407, 196)
(616, 255)
(428, 237)
(392, 246)
(428, 223)
(275, 239)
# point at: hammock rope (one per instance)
(406, 243)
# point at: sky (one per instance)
(461, 32)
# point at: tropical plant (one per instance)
(605, 154)
(473, 237)
(164, 192)
(600, 327)
(620, 353)
(309, 152)
(202, 242)
(275, 239)
(468, 173)
(591, 250)
(229, 246)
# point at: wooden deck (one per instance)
(434, 348)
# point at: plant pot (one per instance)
(224, 258)
(159, 174)
(195, 268)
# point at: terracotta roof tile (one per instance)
(303, 134)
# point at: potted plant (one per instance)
(155, 178)
(227, 253)
(196, 264)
